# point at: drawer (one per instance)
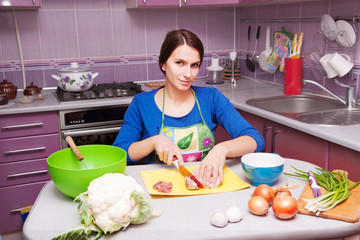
(23, 172)
(13, 198)
(18, 125)
(26, 148)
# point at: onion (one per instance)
(285, 207)
(258, 205)
(283, 193)
(266, 192)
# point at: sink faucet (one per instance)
(349, 101)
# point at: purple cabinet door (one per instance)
(9, 4)
(23, 172)
(291, 143)
(208, 2)
(18, 125)
(345, 159)
(25, 148)
(164, 3)
(14, 198)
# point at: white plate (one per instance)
(328, 27)
(346, 36)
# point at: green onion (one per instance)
(336, 184)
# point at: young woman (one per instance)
(180, 119)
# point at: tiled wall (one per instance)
(123, 45)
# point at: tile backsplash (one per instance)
(123, 45)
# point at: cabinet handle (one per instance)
(23, 125)
(25, 150)
(274, 132)
(27, 173)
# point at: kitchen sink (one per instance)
(311, 109)
(332, 117)
(293, 104)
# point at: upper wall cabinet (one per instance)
(151, 3)
(22, 4)
(185, 3)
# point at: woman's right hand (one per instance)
(166, 149)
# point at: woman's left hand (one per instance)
(212, 166)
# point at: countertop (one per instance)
(188, 217)
(245, 89)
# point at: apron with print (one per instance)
(194, 141)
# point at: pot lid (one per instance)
(74, 67)
(5, 83)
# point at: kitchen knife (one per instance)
(75, 150)
(186, 172)
(313, 184)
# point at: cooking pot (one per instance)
(9, 88)
(4, 98)
(75, 78)
(32, 90)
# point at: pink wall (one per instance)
(123, 45)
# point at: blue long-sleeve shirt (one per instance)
(143, 119)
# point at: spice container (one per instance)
(9, 88)
(4, 98)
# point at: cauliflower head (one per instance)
(115, 200)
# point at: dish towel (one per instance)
(24, 211)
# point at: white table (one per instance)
(189, 217)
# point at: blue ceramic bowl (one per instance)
(262, 168)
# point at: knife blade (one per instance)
(186, 172)
(313, 184)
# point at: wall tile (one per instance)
(95, 33)
(29, 34)
(58, 34)
(8, 41)
(220, 29)
(106, 74)
(130, 72)
(158, 23)
(186, 21)
(57, 5)
(118, 4)
(129, 32)
(35, 76)
(92, 4)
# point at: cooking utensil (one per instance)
(69, 175)
(266, 53)
(9, 88)
(75, 149)
(75, 78)
(232, 182)
(32, 90)
(346, 35)
(328, 27)
(186, 172)
(250, 65)
(313, 184)
(256, 58)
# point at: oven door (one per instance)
(94, 135)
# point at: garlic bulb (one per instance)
(233, 213)
(219, 219)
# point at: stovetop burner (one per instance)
(101, 91)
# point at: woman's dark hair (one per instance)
(177, 38)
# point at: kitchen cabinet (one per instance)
(23, 4)
(343, 158)
(26, 140)
(151, 3)
(185, 3)
(287, 142)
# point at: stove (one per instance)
(100, 91)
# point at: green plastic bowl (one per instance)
(72, 178)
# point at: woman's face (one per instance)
(182, 67)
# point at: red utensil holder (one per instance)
(293, 76)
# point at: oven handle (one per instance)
(79, 133)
